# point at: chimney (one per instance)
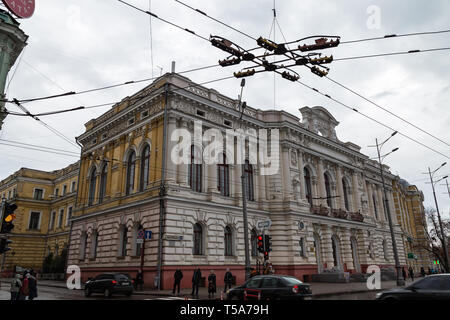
(173, 66)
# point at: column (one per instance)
(370, 200)
(346, 247)
(287, 185)
(321, 182)
(381, 204)
(301, 175)
(340, 189)
(182, 169)
(261, 183)
(171, 171)
(356, 201)
(327, 247)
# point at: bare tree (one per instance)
(435, 235)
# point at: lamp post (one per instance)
(400, 280)
(443, 238)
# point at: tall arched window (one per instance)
(145, 168)
(254, 242)
(94, 245)
(131, 168)
(228, 241)
(308, 187)
(92, 185)
(250, 192)
(375, 206)
(195, 169)
(328, 190)
(123, 241)
(103, 177)
(345, 187)
(224, 177)
(198, 239)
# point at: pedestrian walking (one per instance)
(404, 274)
(139, 283)
(24, 289)
(411, 273)
(32, 285)
(212, 288)
(228, 280)
(429, 271)
(178, 275)
(16, 284)
(422, 272)
(196, 278)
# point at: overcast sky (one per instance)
(76, 45)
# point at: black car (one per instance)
(436, 287)
(108, 284)
(271, 287)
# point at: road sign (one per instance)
(263, 224)
(139, 241)
(148, 235)
(21, 8)
(141, 234)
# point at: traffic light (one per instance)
(8, 218)
(4, 243)
(260, 243)
(267, 246)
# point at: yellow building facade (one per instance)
(45, 202)
(408, 200)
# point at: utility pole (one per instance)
(244, 193)
(400, 280)
(443, 237)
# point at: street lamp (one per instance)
(443, 238)
(400, 280)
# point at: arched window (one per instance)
(198, 239)
(248, 170)
(336, 252)
(138, 247)
(131, 168)
(223, 177)
(308, 187)
(254, 242)
(145, 168)
(123, 241)
(385, 250)
(195, 170)
(94, 245)
(103, 177)
(375, 206)
(228, 241)
(345, 187)
(328, 190)
(92, 185)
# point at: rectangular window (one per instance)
(69, 215)
(60, 218)
(64, 190)
(52, 221)
(57, 192)
(35, 218)
(301, 244)
(38, 194)
(144, 114)
(74, 184)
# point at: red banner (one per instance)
(21, 8)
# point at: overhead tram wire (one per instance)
(39, 149)
(391, 36)
(59, 134)
(38, 146)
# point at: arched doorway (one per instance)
(318, 251)
(335, 243)
(355, 256)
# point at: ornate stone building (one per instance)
(408, 200)
(45, 201)
(325, 200)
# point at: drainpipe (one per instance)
(162, 189)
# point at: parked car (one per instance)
(271, 287)
(436, 287)
(108, 284)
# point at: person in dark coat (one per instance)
(212, 288)
(411, 273)
(422, 272)
(196, 278)
(228, 280)
(139, 283)
(32, 285)
(178, 275)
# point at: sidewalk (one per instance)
(318, 289)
